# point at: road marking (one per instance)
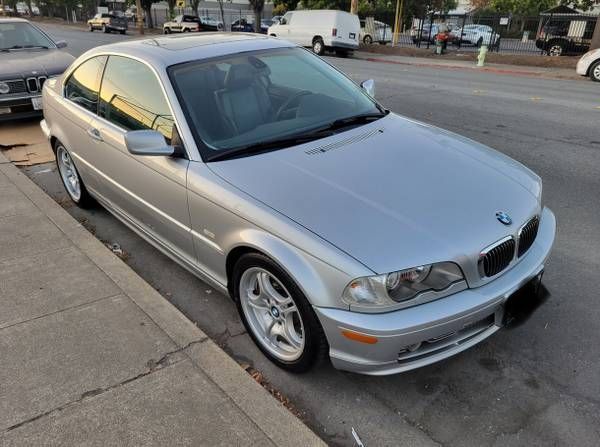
(479, 92)
(536, 98)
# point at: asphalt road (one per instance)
(535, 384)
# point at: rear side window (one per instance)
(84, 83)
(131, 97)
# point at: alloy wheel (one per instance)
(68, 173)
(555, 50)
(596, 72)
(272, 314)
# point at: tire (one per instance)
(595, 72)
(555, 49)
(91, 29)
(122, 32)
(186, 30)
(70, 177)
(367, 40)
(248, 273)
(166, 31)
(105, 29)
(318, 46)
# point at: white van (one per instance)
(320, 29)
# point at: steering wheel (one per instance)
(286, 105)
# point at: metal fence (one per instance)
(553, 34)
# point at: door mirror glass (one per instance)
(369, 87)
(61, 44)
(147, 142)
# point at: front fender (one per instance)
(320, 282)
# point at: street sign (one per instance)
(503, 20)
(181, 3)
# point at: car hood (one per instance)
(25, 63)
(394, 193)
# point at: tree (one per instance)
(147, 7)
(283, 6)
(194, 4)
(257, 7)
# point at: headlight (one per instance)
(403, 285)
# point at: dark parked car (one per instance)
(27, 58)
(244, 25)
(564, 37)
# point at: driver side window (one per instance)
(286, 19)
(84, 83)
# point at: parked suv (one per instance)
(566, 37)
(108, 22)
(182, 24)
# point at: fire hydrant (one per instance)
(482, 53)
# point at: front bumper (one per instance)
(583, 66)
(20, 107)
(417, 336)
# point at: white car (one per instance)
(182, 24)
(477, 35)
(319, 29)
(381, 33)
(589, 65)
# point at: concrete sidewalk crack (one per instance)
(152, 365)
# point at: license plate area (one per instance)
(352, 35)
(521, 305)
(36, 102)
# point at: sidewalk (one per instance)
(91, 354)
(514, 70)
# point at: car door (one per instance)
(78, 108)
(149, 191)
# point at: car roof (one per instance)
(163, 51)
(12, 19)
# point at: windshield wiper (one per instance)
(354, 120)
(268, 145)
(21, 47)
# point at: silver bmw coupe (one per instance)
(339, 229)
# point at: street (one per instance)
(534, 384)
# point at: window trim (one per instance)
(67, 75)
(70, 73)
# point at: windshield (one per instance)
(18, 35)
(263, 96)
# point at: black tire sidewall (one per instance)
(85, 200)
(315, 343)
(592, 68)
(319, 53)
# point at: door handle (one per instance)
(95, 134)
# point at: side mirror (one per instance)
(61, 44)
(282, 21)
(147, 142)
(369, 87)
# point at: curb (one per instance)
(503, 71)
(269, 415)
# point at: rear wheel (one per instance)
(276, 314)
(318, 46)
(367, 40)
(556, 49)
(91, 28)
(70, 177)
(595, 72)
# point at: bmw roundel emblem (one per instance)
(503, 218)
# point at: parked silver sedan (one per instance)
(339, 229)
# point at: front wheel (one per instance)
(70, 177)
(595, 72)
(166, 31)
(367, 40)
(91, 29)
(318, 47)
(276, 314)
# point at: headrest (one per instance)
(240, 75)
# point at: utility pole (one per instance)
(353, 6)
(139, 16)
(398, 21)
